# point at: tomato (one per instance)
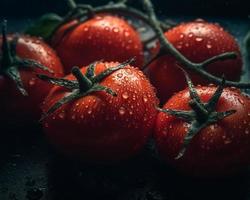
(218, 149)
(14, 105)
(99, 127)
(197, 41)
(101, 37)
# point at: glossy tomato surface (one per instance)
(103, 37)
(219, 149)
(100, 127)
(197, 41)
(15, 106)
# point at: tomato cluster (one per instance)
(107, 110)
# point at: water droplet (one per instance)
(198, 39)
(86, 29)
(199, 20)
(145, 99)
(62, 115)
(131, 112)
(73, 117)
(122, 111)
(125, 95)
(209, 46)
(106, 28)
(241, 101)
(115, 30)
(98, 17)
(179, 46)
(32, 81)
(119, 75)
(227, 141)
(181, 35)
(89, 112)
(190, 35)
(126, 33)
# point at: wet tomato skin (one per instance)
(221, 149)
(197, 41)
(103, 37)
(13, 104)
(100, 127)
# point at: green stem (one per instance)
(84, 83)
(71, 4)
(7, 59)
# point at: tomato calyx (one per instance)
(10, 62)
(201, 115)
(83, 85)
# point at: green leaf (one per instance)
(44, 26)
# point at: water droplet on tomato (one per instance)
(228, 141)
(181, 35)
(145, 99)
(199, 20)
(209, 46)
(179, 46)
(32, 81)
(89, 112)
(198, 39)
(86, 29)
(122, 111)
(125, 95)
(190, 35)
(126, 33)
(115, 30)
(62, 115)
(119, 75)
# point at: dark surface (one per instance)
(229, 8)
(30, 169)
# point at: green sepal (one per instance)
(201, 114)
(83, 85)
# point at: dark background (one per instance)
(227, 8)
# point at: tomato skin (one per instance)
(197, 41)
(13, 105)
(102, 37)
(100, 127)
(220, 149)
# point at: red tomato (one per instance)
(102, 37)
(100, 127)
(219, 149)
(197, 41)
(15, 106)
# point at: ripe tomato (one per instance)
(99, 127)
(219, 149)
(101, 37)
(197, 41)
(14, 105)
